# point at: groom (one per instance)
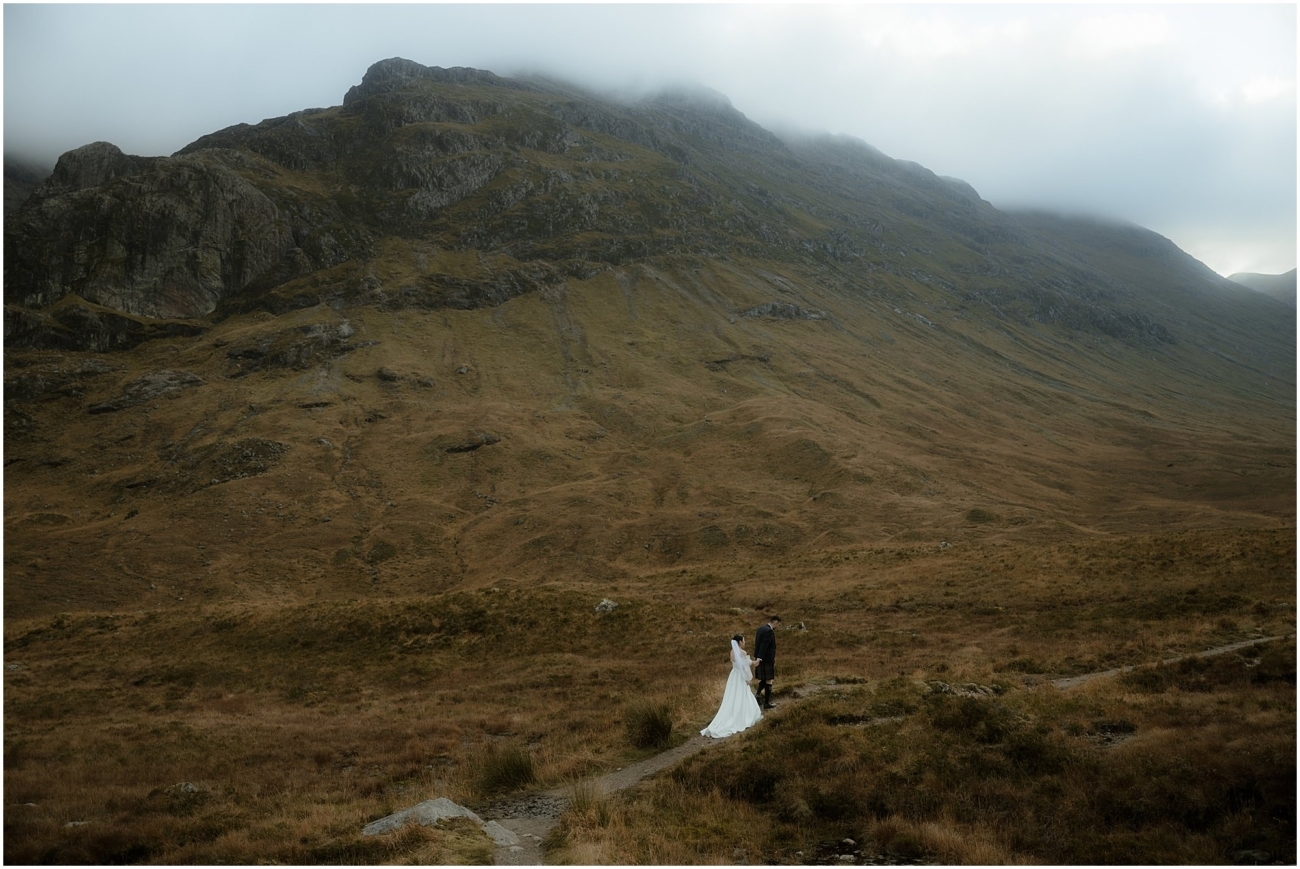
(765, 653)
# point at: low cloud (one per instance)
(1171, 116)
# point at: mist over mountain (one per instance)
(1280, 287)
(22, 176)
(460, 326)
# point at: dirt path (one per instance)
(531, 818)
(1073, 681)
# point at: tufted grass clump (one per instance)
(505, 769)
(649, 724)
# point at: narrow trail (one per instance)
(1073, 681)
(532, 817)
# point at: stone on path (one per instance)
(499, 834)
(426, 814)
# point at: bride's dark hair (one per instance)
(739, 638)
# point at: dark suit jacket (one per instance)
(765, 648)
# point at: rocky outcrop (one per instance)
(187, 471)
(445, 291)
(91, 166)
(782, 311)
(159, 238)
(75, 324)
(147, 388)
(52, 380)
(396, 73)
(298, 348)
(466, 443)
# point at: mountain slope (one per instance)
(1280, 287)
(463, 327)
(22, 177)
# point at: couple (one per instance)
(739, 708)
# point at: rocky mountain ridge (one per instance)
(462, 326)
(557, 181)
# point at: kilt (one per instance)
(765, 671)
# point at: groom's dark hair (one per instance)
(774, 618)
(739, 638)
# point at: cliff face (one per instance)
(161, 238)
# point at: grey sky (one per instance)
(1181, 118)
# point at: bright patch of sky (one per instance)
(1181, 118)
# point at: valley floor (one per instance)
(267, 731)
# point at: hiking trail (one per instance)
(530, 818)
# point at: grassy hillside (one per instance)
(643, 399)
(328, 549)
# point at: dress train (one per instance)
(739, 709)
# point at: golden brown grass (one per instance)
(612, 398)
(365, 624)
(299, 723)
(1026, 777)
(213, 659)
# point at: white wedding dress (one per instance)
(739, 708)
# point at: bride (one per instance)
(739, 709)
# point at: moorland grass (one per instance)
(1024, 777)
(649, 724)
(505, 768)
(297, 723)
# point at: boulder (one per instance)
(430, 812)
(500, 835)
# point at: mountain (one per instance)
(1280, 287)
(462, 327)
(22, 177)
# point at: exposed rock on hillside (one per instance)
(783, 311)
(147, 388)
(161, 238)
(50, 380)
(92, 166)
(72, 323)
(466, 443)
(221, 462)
(299, 348)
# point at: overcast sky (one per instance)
(1181, 118)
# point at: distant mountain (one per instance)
(1281, 287)
(463, 326)
(22, 177)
